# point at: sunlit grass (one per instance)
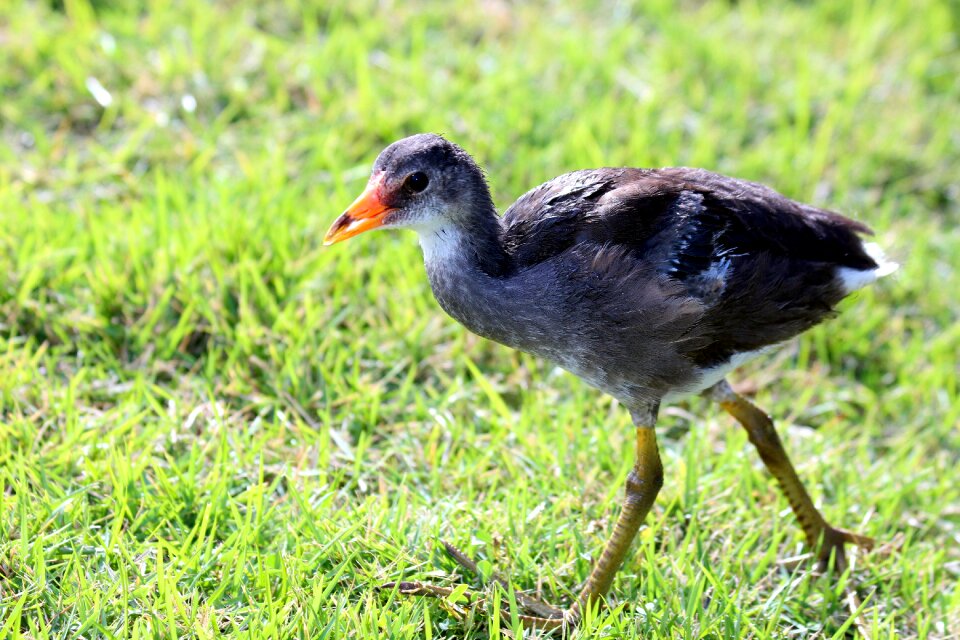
(211, 426)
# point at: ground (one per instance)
(212, 426)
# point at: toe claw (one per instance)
(565, 621)
(864, 542)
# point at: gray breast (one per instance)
(618, 334)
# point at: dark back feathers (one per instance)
(762, 266)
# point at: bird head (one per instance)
(423, 182)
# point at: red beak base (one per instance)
(365, 213)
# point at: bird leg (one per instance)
(643, 483)
(821, 536)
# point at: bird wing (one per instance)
(762, 266)
(685, 219)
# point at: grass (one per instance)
(212, 427)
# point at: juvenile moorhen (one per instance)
(647, 283)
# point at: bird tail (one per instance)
(853, 279)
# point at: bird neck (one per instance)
(467, 277)
(469, 243)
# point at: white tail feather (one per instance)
(853, 279)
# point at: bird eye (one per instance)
(417, 181)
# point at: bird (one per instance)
(648, 284)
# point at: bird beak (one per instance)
(365, 213)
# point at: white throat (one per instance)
(440, 243)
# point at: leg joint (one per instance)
(648, 480)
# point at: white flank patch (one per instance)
(853, 279)
(715, 374)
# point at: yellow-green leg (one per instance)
(821, 536)
(643, 484)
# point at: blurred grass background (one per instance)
(210, 426)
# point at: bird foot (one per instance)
(831, 549)
(460, 602)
